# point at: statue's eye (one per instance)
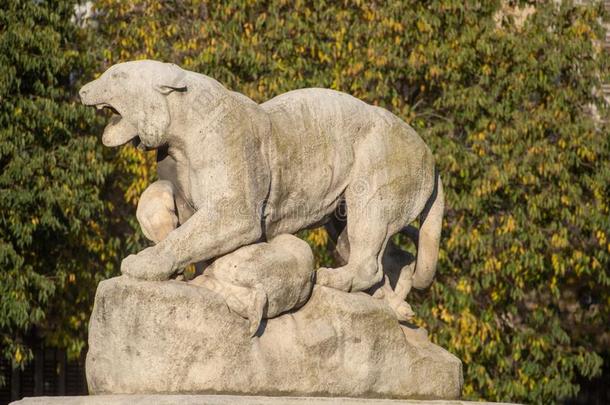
(118, 75)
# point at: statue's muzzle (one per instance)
(119, 131)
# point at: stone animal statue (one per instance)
(245, 173)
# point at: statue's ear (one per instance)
(173, 80)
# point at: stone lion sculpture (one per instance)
(241, 173)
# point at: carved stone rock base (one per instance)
(150, 337)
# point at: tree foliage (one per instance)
(512, 110)
(55, 239)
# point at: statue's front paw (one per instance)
(148, 265)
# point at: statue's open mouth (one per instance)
(118, 131)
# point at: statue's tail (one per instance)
(431, 220)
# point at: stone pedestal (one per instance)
(171, 337)
(228, 400)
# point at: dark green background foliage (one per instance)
(54, 240)
(507, 105)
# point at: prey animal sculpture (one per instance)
(243, 172)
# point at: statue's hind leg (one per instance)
(398, 267)
(363, 269)
(371, 221)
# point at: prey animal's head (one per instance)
(136, 94)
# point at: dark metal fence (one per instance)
(49, 374)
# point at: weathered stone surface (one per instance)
(150, 337)
(225, 400)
